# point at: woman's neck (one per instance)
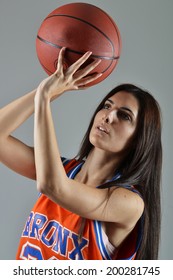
(98, 168)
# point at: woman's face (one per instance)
(114, 125)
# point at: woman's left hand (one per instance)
(72, 78)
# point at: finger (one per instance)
(83, 82)
(60, 59)
(76, 65)
(85, 71)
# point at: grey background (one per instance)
(146, 60)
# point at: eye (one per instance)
(106, 106)
(124, 116)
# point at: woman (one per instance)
(105, 204)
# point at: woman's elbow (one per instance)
(45, 188)
(48, 188)
(41, 188)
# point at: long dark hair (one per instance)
(142, 165)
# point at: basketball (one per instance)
(80, 27)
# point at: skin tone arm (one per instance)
(13, 153)
(119, 205)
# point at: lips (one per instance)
(102, 129)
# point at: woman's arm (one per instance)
(47, 157)
(118, 205)
(13, 153)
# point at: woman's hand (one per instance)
(70, 79)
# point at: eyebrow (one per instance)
(123, 108)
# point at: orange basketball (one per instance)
(79, 27)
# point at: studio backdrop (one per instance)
(146, 60)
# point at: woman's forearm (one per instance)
(15, 113)
(50, 171)
(51, 176)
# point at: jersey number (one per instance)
(31, 252)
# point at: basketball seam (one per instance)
(92, 25)
(57, 46)
(77, 52)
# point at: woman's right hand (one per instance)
(72, 78)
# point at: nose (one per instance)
(110, 116)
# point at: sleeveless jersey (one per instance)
(52, 232)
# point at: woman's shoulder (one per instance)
(130, 204)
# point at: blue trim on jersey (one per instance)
(99, 239)
(71, 174)
(139, 238)
(140, 233)
(74, 170)
(65, 160)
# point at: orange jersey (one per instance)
(52, 232)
